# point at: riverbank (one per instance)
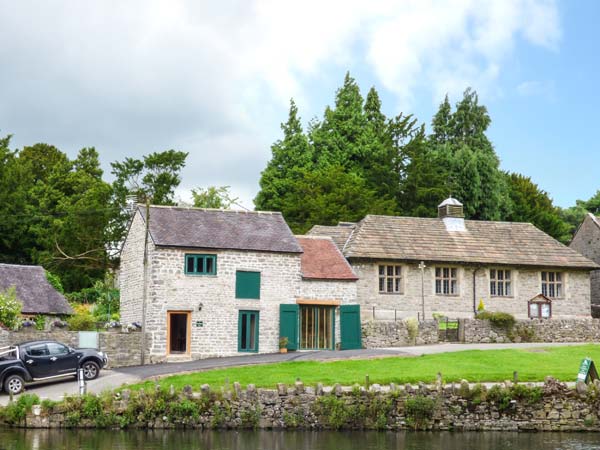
(455, 407)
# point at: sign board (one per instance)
(587, 371)
(199, 323)
(88, 339)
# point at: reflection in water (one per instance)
(289, 440)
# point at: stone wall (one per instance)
(123, 349)
(537, 330)
(377, 334)
(526, 284)
(507, 407)
(131, 271)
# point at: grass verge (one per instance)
(473, 365)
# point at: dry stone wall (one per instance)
(457, 407)
(537, 330)
(376, 334)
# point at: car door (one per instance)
(62, 360)
(37, 360)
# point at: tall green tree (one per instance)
(290, 157)
(473, 168)
(531, 204)
(330, 194)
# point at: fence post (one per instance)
(395, 315)
(373, 313)
(446, 329)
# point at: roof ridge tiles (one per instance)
(193, 208)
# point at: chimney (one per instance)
(451, 212)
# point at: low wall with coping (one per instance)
(123, 349)
(386, 333)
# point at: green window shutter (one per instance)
(288, 325)
(247, 284)
(350, 331)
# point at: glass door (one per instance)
(248, 331)
(316, 327)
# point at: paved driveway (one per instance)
(110, 379)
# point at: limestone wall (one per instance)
(123, 349)
(526, 284)
(457, 407)
(377, 334)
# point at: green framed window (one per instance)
(248, 331)
(247, 284)
(200, 264)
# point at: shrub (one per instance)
(419, 411)
(10, 308)
(502, 320)
(481, 306)
(82, 320)
(40, 322)
(15, 412)
(55, 282)
(412, 326)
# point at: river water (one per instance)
(11, 439)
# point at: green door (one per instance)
(288, 325)
(248, 331)
(350, 331)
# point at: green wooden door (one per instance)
(350, 331)
(288, 325)
(248, 331)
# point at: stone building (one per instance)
(409, 266)
(587, 242)
(217, 282)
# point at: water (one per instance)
(290, 440)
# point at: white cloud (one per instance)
(214, 78)
(546, 89)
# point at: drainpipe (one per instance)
(475, 270)
(145, 287)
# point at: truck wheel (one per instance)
(14, 384)
(91, 370)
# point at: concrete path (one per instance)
(110, 379)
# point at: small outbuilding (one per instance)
(33, 290)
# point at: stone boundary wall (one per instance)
(474, 331)
(380, 333)
(507, 407)
(123, 349)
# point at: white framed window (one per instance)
(446, 280)
(552, 284)
(501, 283)
(390, 279)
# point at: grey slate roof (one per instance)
(33, 290)
(483, 242)
(220, 229)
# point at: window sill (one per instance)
(391, 293)
(500, 297)
(447, 295)
(207, 275)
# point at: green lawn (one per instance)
(474, 366)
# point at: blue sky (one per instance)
(215, 78)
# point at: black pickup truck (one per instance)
(36, 361)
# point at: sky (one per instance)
(215, 78)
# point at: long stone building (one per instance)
(410, 266)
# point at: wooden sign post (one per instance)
(587, 371)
